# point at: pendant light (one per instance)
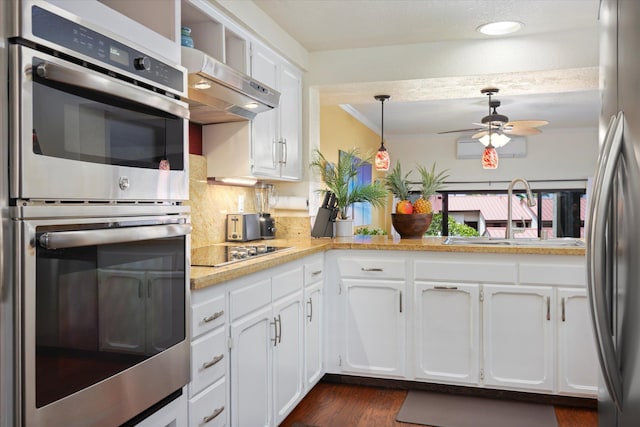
(383, 160)
(490, 155)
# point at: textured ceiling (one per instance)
(567, 98)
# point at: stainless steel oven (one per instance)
(101, 313)
(95, 116)
(98, 170)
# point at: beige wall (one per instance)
(341, 131)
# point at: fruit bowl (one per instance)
(411, 226)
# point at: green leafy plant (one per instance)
(340, 179)
(366, 231)
(455, 228)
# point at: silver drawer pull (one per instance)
(445, 288)
(215, 414)
(213, 317)
(371, 269)
(213, 361)
(315, 273)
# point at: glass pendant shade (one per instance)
(382, 161)
(490, 158)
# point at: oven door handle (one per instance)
(98, 83)
(80, 238)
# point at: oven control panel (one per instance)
(78, 38)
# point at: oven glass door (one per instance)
(102, 308)
(77, 123)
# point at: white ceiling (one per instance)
(346, 24)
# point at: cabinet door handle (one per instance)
(400, 301)
(213, 317)
(275, 333)
(215, 413)
(564, 318)
(213, 361)
(445, 288)
(279, 329)
(371, 269)
(274, 149)
(317, 272)
(284, 151)
(310, 315)
(548, 308)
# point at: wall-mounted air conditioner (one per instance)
(468, 148)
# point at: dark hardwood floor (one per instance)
(342, 405)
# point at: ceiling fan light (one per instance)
(500, 28)
(490, 158)
(495, 139)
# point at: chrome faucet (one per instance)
(530, 201)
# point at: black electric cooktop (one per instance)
(221, 255)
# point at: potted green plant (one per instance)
(340, 179)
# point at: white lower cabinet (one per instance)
(447, 332)
(374, 333)
(518, 337)
(174, 414)
(313, 321)
(208, 389)
(577, 357)
(267, 347)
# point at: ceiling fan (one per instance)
(498, 124)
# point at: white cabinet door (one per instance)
(174, 414)
(577, 357)
(518, 337)
(313, 334)
(374, 331)
(290, 119)
(277, 134)
(288, 355)
(265, 126)
(447, 332)
(252, 341)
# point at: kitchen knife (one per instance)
(325, 201)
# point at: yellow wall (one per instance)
(341, 131)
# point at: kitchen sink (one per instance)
(562, 241)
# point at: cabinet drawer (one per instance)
(313, 272)
(209, 407)
(466, 271)
(208, 315)
(547, 274)
(249, 298)
(372, 268)
(287, 283)
(208, 360)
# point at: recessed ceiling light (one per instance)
(500, 28)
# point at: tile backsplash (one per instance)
(210, 205)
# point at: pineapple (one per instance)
(399, 186)
(431, 183)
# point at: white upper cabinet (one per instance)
(277, 134)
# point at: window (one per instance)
(557, 213)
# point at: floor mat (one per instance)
(449, 410)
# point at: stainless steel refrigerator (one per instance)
(6, 250)
(613, 250)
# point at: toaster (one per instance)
(243, 227)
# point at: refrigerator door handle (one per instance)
(596, 249)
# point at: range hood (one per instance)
(218, 93)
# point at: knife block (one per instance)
(323, 227)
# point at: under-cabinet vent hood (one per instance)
(218, 93)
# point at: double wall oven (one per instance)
(98, 176)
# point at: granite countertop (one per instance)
(202, 277)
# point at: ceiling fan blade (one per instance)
(459, 130)
(527, 123)
(521, 131)
(480, 134)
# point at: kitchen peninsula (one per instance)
(489, 318)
